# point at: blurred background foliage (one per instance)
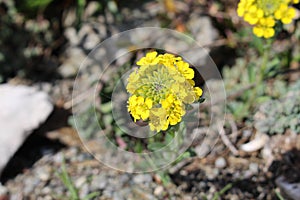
(32, 39)
(31, 33)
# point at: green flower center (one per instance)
(269, 6)
(155, 82)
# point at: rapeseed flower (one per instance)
(160, 89)
(263, 14)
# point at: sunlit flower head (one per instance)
(264, 14)
(160, 89)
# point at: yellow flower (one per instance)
(158, 119)
(267, 22)
(253, 15)
(159, 92)
(263, 14)
(198, 91)
(139, 107)
(285, 14)
(265, 27)
(185, 92)
(185, 70)
(168, 60)
(174, 109)
(262, 31)
(243, 6)
(149, 59)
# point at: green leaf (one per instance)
(258, 44)
(219, 194)
(65, 178)
(106, 107)
(155, 146)
(138, 147)
(263, 99)
(112, 6)
(32, 4)
(165, 178)
(251, 73)
(168, 138)
(107, 119)
(91, 196)
(272, 66)
(183, 156)
(201, 100)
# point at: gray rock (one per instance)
(202, 150)
(80, 182)
(46, 190)
(124, 178)
(30, 184)
(44, 173)
(91, 41)
(253, 167)
(202, 29)
(3, 190)
(108, 193)
(71, 34)
(72, 61)
(247, 133)
(117, 196)
(292, 190)
(84, 190)
(23, 109)
(99, 182)
(142, 178)
(220, 162)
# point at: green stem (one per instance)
(266, 55)
(261, 73)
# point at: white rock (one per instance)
(220, 162)
(292, 190)
(259, 142)
(3, 190)
(23, 109)
(158, 191)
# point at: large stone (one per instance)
(22, 109)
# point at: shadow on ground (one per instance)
(37, 145)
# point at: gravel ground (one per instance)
(252, 175)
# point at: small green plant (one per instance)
(251, 75)
(218, 195)
(73, 191)
(278, 195)
(277, 115)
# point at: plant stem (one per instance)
(266, 55)
(261, 72)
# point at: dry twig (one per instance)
(225, 140)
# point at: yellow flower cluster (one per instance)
(263, 14)
(160, 88)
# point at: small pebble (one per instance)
(247, 133)
(117, 196)
(220, 162)
(253, 167)
(3, 190)
(99, 182)
(158, 191)
(142, 178)
(80, 181)
(84, 190)
(44, 173)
